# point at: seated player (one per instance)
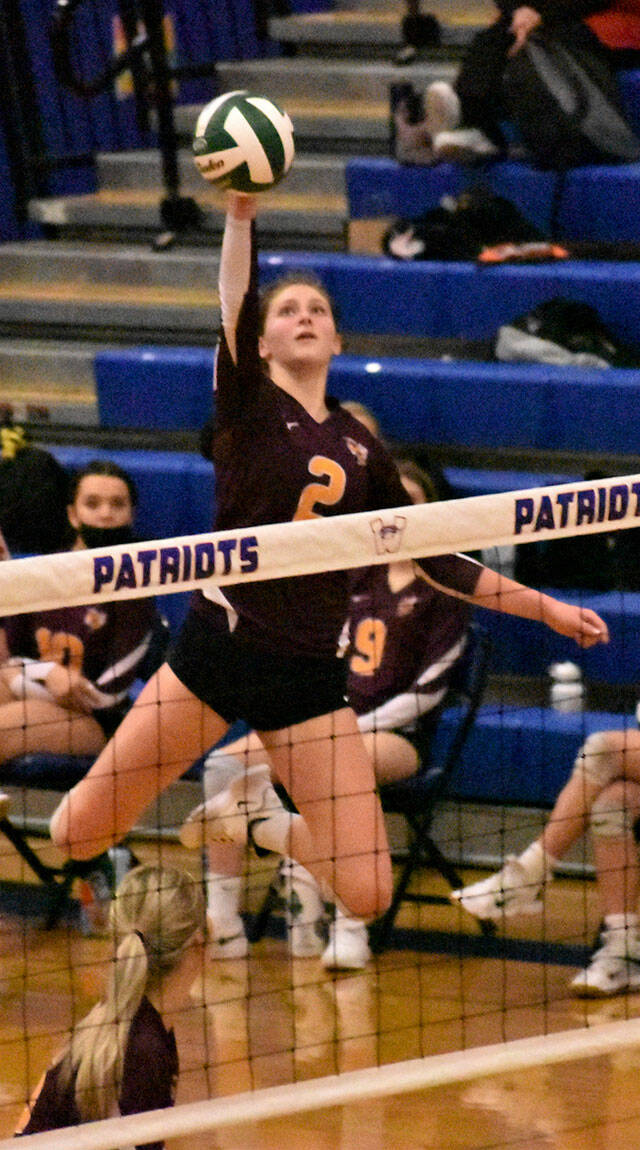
(121, 1058)
(66, 674)
(603, 790)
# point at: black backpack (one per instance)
(459, 229)
(565, 105)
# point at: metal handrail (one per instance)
(145, 56)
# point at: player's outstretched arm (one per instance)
(499, 593)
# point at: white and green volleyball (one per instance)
(243, 142)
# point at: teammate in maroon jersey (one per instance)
(122, 1058)
(266, 652)
(65, 680)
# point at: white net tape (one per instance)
(339, 1090)
(302, 548)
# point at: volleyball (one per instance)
(243, 142)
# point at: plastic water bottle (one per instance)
(567, 688)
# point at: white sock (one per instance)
(538, 863)
(625, 921)
(223, 903)
(219, 772)
(273, 833)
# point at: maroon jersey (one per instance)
(149, 1078)
(105, 641)
(401, 648)
(275, 463)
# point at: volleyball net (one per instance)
(267, 1033)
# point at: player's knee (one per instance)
(598, 761)
(367, 898)
(611, 816)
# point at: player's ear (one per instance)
(337, 344)
(72, 516)
(262, 348)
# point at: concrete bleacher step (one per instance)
(121, 292)
(338, 105)
(47, 381)
(376, 28)
(130, 193)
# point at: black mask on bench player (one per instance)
(102, 537)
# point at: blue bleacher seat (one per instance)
(598, 203)
(522, 755)
(376, 295)
(461, 403)
(154, 387)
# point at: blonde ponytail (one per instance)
(154, 916)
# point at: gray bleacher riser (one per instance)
(324, 175)
(335, 130)
(283, 79)
(94, 263)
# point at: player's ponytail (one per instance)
(154, 917)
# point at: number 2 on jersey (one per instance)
(327, 493)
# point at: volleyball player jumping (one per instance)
(265, 652)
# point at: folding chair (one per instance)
(44, 771)
(416, 798)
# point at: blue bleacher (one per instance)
(460, 403)
(448, 299)
(523, 755)
(598, 203)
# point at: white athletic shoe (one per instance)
(465, 145)
(303, 910)
(348, 947)
(227, 816)
(614, 968)
(507, 893)
(442, 108)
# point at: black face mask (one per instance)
(104, 536)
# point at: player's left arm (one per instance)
(499, 593)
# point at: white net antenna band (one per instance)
(339, 1090)
(305, 547)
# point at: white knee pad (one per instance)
(219, 772)
(596, 762)
(610, 819)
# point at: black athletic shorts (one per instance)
(240, 680)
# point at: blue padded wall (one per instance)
(524, 648)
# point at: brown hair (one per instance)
(289, 279)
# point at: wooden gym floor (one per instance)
(269, 1021)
